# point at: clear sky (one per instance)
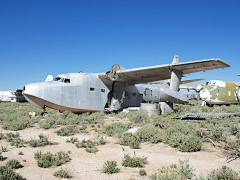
(41, 37)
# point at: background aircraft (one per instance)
(12, 96)
(116, 89)
(220, 92)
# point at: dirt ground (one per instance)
(84, 165)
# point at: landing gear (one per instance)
(44, 113)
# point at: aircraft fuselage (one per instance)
(79, 92)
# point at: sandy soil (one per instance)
(85, 165)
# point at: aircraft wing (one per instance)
(160, 72)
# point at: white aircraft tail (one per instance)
(175, 76)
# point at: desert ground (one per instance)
(84, 165)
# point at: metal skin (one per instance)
(117, 89)
(79, 96)
(220, 92)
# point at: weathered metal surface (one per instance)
(203, 116)
(114, 90)
(220, 92)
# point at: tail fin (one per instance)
(175, 76)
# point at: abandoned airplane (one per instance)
(116, 89)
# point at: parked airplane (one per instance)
(116, 89)
(12, 96)
(220, 92)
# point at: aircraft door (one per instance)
(147, 95)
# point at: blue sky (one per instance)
(44, 37)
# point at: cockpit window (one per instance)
(57, 79)
(65, 80)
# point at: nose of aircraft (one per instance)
(33, 94)
(204, 95)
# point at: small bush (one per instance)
(6, 173)
(181, 171)
(1, 157)
(48, 159)
(116, 129)
(20, 153)
(139, 117)
(223, 173)
(149, 133)
(42, 141)
(13, 164)
(61, 174)
(142, 172)
(134, 161)
(3, 149)
(68, 130)
(72, 140)
(89, 146)
(110, 167)
(184, 143)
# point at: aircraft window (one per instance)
(126, 93)
(92, 89)
(57, 79)
(67, 80)
(103, 90)
(134, 94)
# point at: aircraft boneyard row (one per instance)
(116, 89)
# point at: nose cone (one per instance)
(204, 95)
(34, 94)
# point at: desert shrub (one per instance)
(161, 122)
(13, 164)
(14, 139)
(234, 144)
(19, 124)
(51, 121)
(139, 117)
(10, 136)
(17, 142)
(89, 145)
(185, 143)
(134, 161)
(95, 118)
(48, 159)
(6, 173)
(100, 139)
(181, 171)
(1, 136)
(61, 174)
(1, 157)
(190, 144)
(128, 139)
(20, 153)
(3, 149)
(142, 172)
(42, 141)
(72, 140)
(115, 129)
(223, 173)
(149, 133)
(110, 167)
(134, 144)
(68, 130)
(121, 114)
